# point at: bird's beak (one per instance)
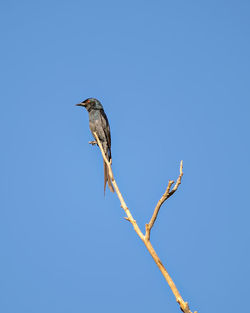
(81, 104)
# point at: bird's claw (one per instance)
(93, 142)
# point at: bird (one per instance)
(98, 123)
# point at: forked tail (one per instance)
(107, 178)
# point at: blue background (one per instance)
(173, 77)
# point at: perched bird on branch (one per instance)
(99, 124)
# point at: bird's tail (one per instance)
(107, 178)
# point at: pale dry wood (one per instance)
(146, 238)
(168, 193)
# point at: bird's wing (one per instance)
(106, 129)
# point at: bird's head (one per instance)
(91, 104)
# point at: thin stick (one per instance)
(123, 203)
(167, 194)
(146, 239)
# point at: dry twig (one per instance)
(146, 238)
(165, 196)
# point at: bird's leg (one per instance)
(93, 142)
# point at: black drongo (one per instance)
(99, 124)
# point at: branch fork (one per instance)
(148, 227)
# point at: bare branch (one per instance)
(165, 196)
(178, 182)
(123, 203)
(157, 209)
(183, 305)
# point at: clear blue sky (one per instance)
(173, 77)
